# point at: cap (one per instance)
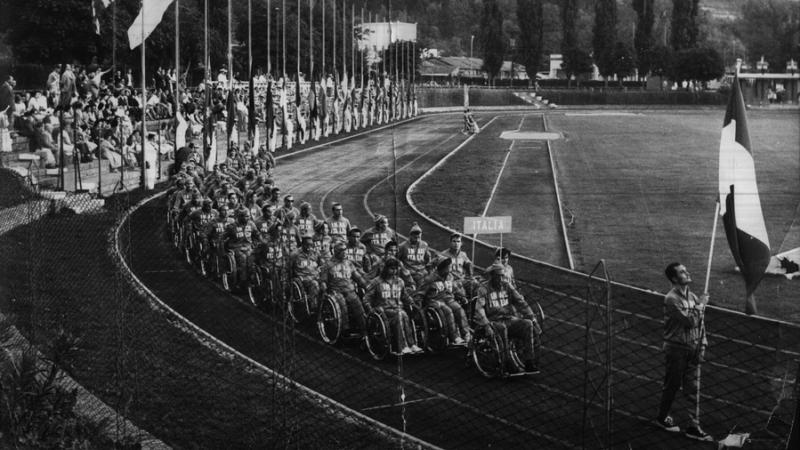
(353, 230)
(494, 268)
(380, 218)
(415, 228)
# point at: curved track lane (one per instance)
(446, 402)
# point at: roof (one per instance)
(451, 65)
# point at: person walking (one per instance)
(684, 345)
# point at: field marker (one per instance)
(558, 199)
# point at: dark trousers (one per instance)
(681, 365)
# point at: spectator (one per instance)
(5, 135)
(53, 86)
(7, 96)
(43, 143)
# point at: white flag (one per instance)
(151, 14)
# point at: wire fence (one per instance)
(164, 336)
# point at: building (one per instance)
(444, 69)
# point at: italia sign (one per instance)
(487, 225)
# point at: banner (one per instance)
(151, 14)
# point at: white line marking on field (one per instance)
(500, 174)
(558, 199)
(394, 405)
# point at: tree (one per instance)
(660, 58)
(684, 24)
(624, 63)
(697, 64)
(605, 34)
(530, 15)
(643, 39)
(576, 62)
(770, 28)
(492, 39)
(569, 16)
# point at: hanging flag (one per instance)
(230, 107)
(740, 205)
(312, 103)
(98, 5)
(148, 19)
(269, 110)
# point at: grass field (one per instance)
(639, 191)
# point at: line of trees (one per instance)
(697, 48)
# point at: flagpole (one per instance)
(323, 39)
(252, 127)
(352, 41)
(269, 34)
(311, 42)
(362, 50)
(711, 249)
(283, 40)
(206, 82)
(298, 45)
(144, 105)
(230, 72)
(334, 37)
(177, 75)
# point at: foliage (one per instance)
(698, 64)
(624, 63)
(605, 32)
(36, 411)
(685, 29)
(576, 62)
(660, 60)
(492, 39)
(530, 15)
(643, 40)
(770, 28)
(569, 15)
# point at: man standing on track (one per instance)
(338, 224)
(684, 346)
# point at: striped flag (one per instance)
(148, 19)
(740, 205)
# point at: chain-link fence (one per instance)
(162, 341)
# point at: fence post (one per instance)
(794, 434)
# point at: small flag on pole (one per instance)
(151, 14)
(740, 205)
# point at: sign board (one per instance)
(487, 225)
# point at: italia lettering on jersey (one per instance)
(274, 253)
(243, 232)
(323, 247)
(206, 218)
(355, 254)
(497, 299)
(305, 225)
(390, 291)
(416, 254)
(342, 271)
(379, 239)
(443, 286)
(457, 268)
(338, 228)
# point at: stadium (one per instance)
(134, 306)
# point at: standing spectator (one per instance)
(7, 97)
(684, 345)
(53, 85)
(66, 87)
(5, 135)
(129, 78)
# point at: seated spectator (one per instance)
(43, 143)
(109, 150)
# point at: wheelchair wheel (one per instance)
(253, 289)
(378, 344)
(487, 354)
(298, 303)
(514, 364)
(188, 248)
(226, 282)
(436, 334)
(538, 312)
(201, 266)
(329, 320)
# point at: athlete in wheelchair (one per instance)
(270, 259)
(389, 328)
(446, 319)
(239, 239)
(304, 275)
(219, 261)
(341, 309)
(197, 239)
(507, 338)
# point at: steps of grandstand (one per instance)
(537, 101)
(92, 174)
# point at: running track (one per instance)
(446, 402)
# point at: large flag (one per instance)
(740, 205)
(148, 19)
(98, 5)
(230, 107)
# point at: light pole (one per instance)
(471, 40)
(762, 65)
(791, 66)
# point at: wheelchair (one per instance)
(490, 355)
(380, 335)
(492, 358)
(195, 253)
(330, 323)
(299, 305)
(434, 337)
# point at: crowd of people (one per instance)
(235, 212)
